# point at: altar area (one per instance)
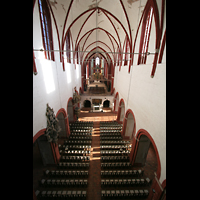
(96, 87)
(97, 97)
(97, 102)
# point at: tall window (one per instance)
(68, 53)
(127, 49)
(46, 29)
(97, 61)
(145, 37)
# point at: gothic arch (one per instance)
(105, 103)
(135, 148)
(116, 102)
(54, 148)
(70, 110)
(62, 110)
(86, 101)
(149, 4)
(38, 134)
(121, 110)
(129, 124)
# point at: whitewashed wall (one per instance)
(62, 89)
(51, 85)
(146, 97)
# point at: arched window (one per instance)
(127, 50)
(68, 52)
(97, 61)
(145, 38)
(46, 28)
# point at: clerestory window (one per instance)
(145, 37)
(46, 28)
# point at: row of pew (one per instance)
(122, 173)
(74, 147)
(110, 147)
(110, 133)
(125, 194)
(78, 142)
(61, 194)
(114, 158)
(70, 179)
(118, 179)
(75, 152)
(63, 182)
(110, 138)
(114, 142)
(114, 152)
(110, 124)
(65, 173)
(124, 182)
(74, 158)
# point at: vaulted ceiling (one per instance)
(96, 26)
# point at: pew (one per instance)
(61, 194)
(125, 194)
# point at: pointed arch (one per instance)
(145, 35)
(90, 32)
(130, 122)
(54, 147)
(70, 109)
(103, 10)
(38, 134)
(115, 101)
(149, 4)
(157, 23)
(62, 110)
(46, 29)
(121, 104)
(129, 27)
(162, 48)
(68, 46)
(135, 148)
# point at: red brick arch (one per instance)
(119, 109)
(135, 148)
(129, 111)
(38, 134)
(117, 94)
(74, 117)
(62, 110)
(54, 148)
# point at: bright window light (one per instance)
(77, 71)
(97, 61)
(68, 71)
(48, 76)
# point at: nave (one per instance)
(94, 164)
